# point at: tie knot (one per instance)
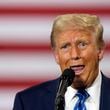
(82, 94)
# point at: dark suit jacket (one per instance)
(42, 97)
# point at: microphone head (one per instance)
(68, 74)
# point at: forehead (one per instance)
(76, 34)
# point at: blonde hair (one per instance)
(85, 22)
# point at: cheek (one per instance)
(91, 62)
(63, 60)
(90, 55)
(59, 58)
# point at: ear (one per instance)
(56, 56)
(101, 52)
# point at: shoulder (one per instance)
(105, 78)
(40, 89)
(105, 82)
(33, 97)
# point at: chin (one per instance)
(78, 83)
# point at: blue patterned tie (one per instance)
(80, 104)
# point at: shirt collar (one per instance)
(94, 90)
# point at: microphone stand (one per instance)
(60, 103)
(60, 100)
(66, 80)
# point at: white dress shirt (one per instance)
(92, 103)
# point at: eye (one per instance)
(65, 46)
(82, 44)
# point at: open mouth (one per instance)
(78, 69)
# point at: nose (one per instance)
(75, 54)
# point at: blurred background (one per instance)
(25, 54)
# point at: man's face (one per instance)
(78, 50)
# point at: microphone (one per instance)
(66, 80)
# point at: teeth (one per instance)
(77, 68)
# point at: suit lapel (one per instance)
(49, 98)
(105, 94)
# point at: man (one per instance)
(77, 43)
